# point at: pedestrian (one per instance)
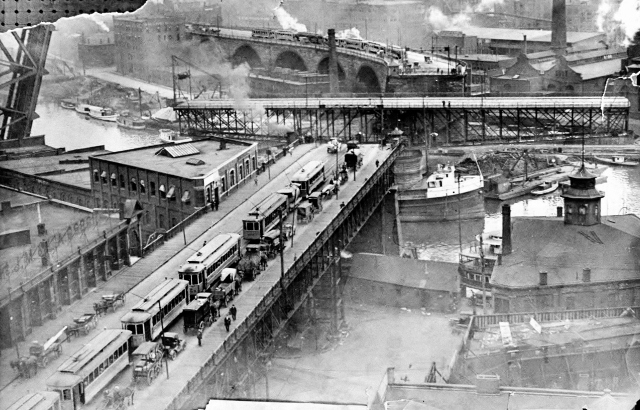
(215, 204)
(204, 244)
(213, 207)
(377, 163)
(263, 261)
(255, 180)
(214, 312)
(200, 337)
(233, 310)
(227, 322)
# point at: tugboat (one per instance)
(444, 196)
(104, 114)
(167, 135)
(83, 108)
(125, 120)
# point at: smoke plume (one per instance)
(349, 33)
(287, 21)
(487, 5)
(96, 18)
(621, 24)
(439, 21)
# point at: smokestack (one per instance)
(506, 229)
(586, 275)
(333, 63)
(559, 27)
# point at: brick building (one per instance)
(170, 181)
(97, 50)
(579, 261)
(143, 44)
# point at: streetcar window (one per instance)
(139, 330)
(66, 394)
(132, 328)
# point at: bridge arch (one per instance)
(292, 60)
(367, 80)
(323, 68)
(246, 54)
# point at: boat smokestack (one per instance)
(506, 229)
(333, 63)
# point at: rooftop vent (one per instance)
(195, 161)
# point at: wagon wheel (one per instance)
(58, 350)
(44, 361)
(149, 377)
(172, 354)
(86, 329)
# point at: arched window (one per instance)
(104, 177)
(161, 221)
(105, 204)
(232, 178)
(255, 163)
(240, 174)
(121, 181)
(208, 197)
(134, 184)
(223, 182)
(114, 181)
(96, 176)
(246, 166)
(143, 188)
(163, 192)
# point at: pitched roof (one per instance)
(414, 273)
(178, 150)
(600, 69)
(563, 251)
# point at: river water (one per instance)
(435, 241)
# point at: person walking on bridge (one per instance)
(227, 322)
(234, 311)
(199, 337)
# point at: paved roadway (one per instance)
(146, 273)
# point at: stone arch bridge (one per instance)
(359, 71)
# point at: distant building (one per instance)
(403, 282)
(172, 181)
(143, 44)
(583, 260)
(97, 50)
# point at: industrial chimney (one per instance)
(333, 63)
(559, 27)
(506, 229)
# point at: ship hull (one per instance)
(414, 206)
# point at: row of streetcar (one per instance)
(205, 281)
(372, 47)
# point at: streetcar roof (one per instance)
(42, 400)
(307, 171)
(96, 351)
(135, 317)
(213, 246)
(268, 205)
(168, 289)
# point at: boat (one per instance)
(68, 104)
(104, 114)
(545, 188)
(83, 108)
(125, 120)
(168, 135)
(443, 196)
(616, 160)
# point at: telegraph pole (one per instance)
(166, 363)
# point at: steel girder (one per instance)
(454, 126)
(21, 77)
(234, 373)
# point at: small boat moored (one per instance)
(68, 104)
(616, 160)
(125, 120)
(83, 108)
(545, 188)
(168, 135)
(104, 114)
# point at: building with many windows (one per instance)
(171, 181)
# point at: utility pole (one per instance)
(484, 294)
(162, 336)
(284, 292)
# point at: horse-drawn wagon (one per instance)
(147, 361)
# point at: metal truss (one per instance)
(244, 361)
(22, 70)
(454, 126)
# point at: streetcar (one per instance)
(264, 217)
(262, 33)
(83, 375)
(309, 178)
(159, 308)
(352, 43)
(313, 38)
(285, 35)
(43, 400)
(203, 269)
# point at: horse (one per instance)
(119, 396)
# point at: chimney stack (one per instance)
(586, 275)
(559, 27)
(506, 229)
(333, 63)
